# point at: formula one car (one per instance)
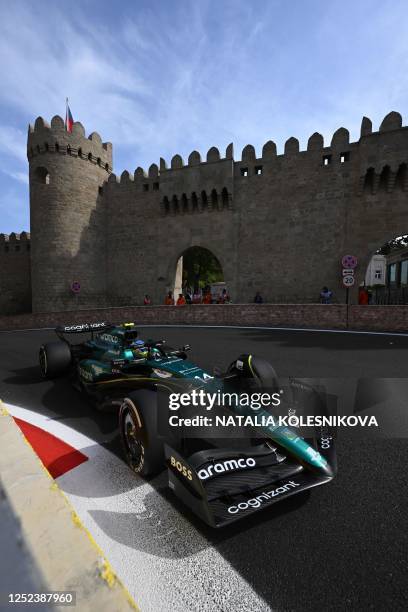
(221, 480)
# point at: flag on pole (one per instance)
(68, 119)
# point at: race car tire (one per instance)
(138, 424)
(55, 359)
(264, 372)
(256, 368)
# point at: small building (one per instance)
(376, 271)
(397, 268)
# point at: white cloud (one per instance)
(13, 142)
(168, 78)
(22, 177)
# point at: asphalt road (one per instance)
(344, 546)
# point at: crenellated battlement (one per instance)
(206, 183)
(340, 144)
(45, 138)
(121, 235)
(15, 243)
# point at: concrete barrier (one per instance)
(333, 316)
(296, 315)
(64, 553)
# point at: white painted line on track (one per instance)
(161, 558)
(266, 328)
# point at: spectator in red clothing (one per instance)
(363, 296)
(169, 300)
(147, 301)
(181, 300)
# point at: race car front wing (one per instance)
(225, 485)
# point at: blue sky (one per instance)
(163, 77)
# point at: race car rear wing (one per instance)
(78, 328)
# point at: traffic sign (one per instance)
(349, 261)
(348, 281)
(75, 286)
(348, 272)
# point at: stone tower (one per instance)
(67, 174)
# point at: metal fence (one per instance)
(390, 295)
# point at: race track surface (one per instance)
(342, 547)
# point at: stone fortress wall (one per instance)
(278, 224)
(15, 273)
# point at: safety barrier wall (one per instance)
(378, 318)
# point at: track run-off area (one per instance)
(342, 546)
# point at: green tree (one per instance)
(394, 245)
(200, 268)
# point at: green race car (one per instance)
(222, 478)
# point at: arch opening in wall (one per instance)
(184, 203)
(214, 199)
(369, 180)
(175, 205)
(384, 178)
(194, 201)
(386, 277)
(224, 198)
(401, 177)
(204, 200)
(199, 276)
(42, 175)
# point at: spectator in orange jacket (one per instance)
(181, 300)
(169, 301)
(207, 298)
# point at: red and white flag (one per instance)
(68, 119)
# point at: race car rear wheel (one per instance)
(142, 445)
(55, 359)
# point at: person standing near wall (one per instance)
(326, 296)
(169, 300)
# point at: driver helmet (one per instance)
(139, 347)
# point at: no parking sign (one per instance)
(349, 261)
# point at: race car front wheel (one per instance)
(55, 359)
(142, 445)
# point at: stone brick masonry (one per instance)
(278, 224)
(380, 318)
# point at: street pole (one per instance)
(347, 307)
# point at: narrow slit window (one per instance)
(146, 187)
(244, 172)
(344, 157)
(258, 170)
(327, 160)
(155, 186)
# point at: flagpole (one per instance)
(66, 114)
